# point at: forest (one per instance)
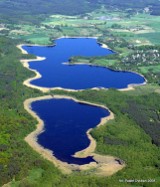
(133, 135)
(24, 167)
(130, 4)
(29, 13)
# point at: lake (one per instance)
(66, 123)
(57, 74)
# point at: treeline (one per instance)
(125, 137)
(33, 12)
(145, 111)
(130, 4)
(24, 167)
(16, 157)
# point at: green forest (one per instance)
(133, 135)
(130, 136)
(33, 11)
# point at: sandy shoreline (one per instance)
(106, 166)
(128, 88)
(25, 63)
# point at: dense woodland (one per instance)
(124, 137)
(14, 121)
(40, 9)
(132, 4)
(133, 135)
(34, 11)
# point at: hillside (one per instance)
(11, 11)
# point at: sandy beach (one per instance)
(132, 86)
(27, 82)
(106, 166)
(76, 37)
(129, 87)
(25, 63)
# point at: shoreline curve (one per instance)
(104, 165)
(25, 63)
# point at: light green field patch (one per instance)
(63, 16)
(71, 22)
(105, 62)
(145, 89)
(37, 39)
(151, 68)
(154, 38)
(80, 31)
(40, 41)
(140, 41)
(33, 176)
(148, 20)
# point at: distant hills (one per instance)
(29, 10)
(153, 5)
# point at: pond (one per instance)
(66, 123)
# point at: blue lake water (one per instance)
(56, 74)
(66, 124)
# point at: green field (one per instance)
(150, 69)
(137, 29)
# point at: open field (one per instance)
(150, 69)
(137, 29)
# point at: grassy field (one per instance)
(138, 29)
(150, 69)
